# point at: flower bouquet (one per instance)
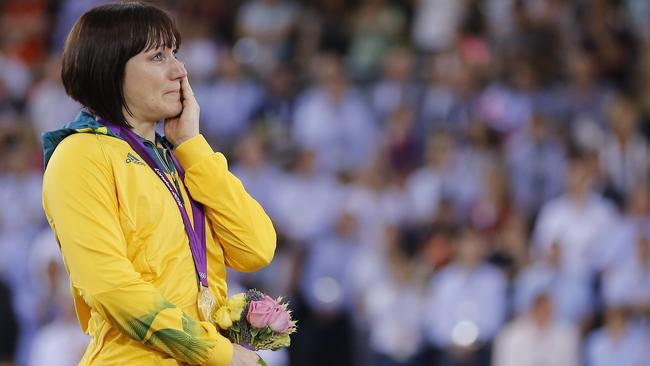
(255, 321)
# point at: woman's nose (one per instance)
(178, 69)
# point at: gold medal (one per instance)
(206, 303)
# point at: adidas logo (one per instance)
(130, 158)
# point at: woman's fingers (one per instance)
(185, 85)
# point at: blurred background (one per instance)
(453, 182)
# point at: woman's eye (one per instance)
(157, 57)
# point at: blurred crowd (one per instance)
(453, 182)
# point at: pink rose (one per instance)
(269, 299)
(280, 320)
(260, 312)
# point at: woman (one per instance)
(146, 224)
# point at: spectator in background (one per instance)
(275, 112)
(472, 41)
(507, 106)
(327, 292)
(437, 248)
(536, 338)
(9, 334)
(15, 79)
(536, 163)
(396, 283)
(511, 245)
(627, 284)
(20, 179)
(377, 199)
(265, 26)
(607, 31)
(60, 342)
(644, 84)
(312, 193)
(499, 18)
(446, 174)
(617, 246)
(576, 220)
(328, 27)
(260, 177)
(227, 103)
(322, 27)
(465, 306)
(449, 99)
(492, 206)
(618, 342)
(426, 186)
(219, 18)
(47, 103)
(23, 24)
(200, 53)
(538, 38)
(570, 292)
(48, 278)
(21, 217)
(396, 87)
(334, 120)
(401, 141)
(490, 202)
(377, 25)
(638, 11)
(435, 24)
(67, 13)
(585, 97)
(255, 170)
(625, 156)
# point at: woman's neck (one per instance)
(146, 130)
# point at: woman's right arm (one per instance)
(81, 204)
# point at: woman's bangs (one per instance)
(161, 33)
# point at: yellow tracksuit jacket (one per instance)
(124, 245)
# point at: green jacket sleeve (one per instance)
(243, 229)
(81, 204)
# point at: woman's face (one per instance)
(152, 85)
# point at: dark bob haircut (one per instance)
(98, 47)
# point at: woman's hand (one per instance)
(243, 357)
(185, 126)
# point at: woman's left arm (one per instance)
(243, 228)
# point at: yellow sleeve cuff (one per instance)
(193, 151)
(222, 352)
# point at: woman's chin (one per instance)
(174, 111)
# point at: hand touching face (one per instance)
(180, 128)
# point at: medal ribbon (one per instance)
(195, 234)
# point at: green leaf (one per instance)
(266, 332)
